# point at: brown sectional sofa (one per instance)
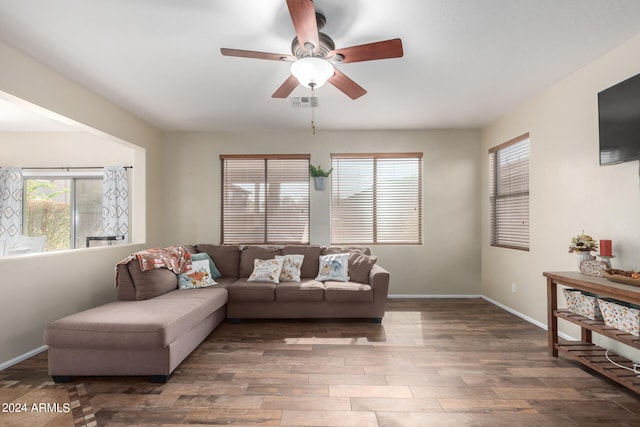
(154, 325)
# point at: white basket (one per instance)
(582, 303)
(622, 316)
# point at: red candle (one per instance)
(605, 247)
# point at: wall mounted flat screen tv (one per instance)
(619, 118)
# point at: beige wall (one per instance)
(37, 289)
(569, 191)
(57, 149)
(448, 263)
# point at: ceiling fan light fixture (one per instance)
(312, 71)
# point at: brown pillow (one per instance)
(152, 283)
(226, 258)
(360, 267)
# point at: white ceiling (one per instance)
(466, 62)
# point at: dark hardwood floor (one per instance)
(432, 362)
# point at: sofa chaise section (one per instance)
(136, 337)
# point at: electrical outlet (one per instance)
(513, 288)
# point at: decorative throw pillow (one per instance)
(291, 267)
(267, 270)
(198, 276)
(334, 267)
(360, 267)
(215, 273)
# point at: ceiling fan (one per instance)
(313, 54)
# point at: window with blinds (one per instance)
(265, 199)
(509, 194)
(376, 198)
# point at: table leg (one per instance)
(552, 321)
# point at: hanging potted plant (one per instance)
(319, 176)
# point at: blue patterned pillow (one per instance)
(334, 267)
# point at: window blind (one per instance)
(376, 198)
(265, 199)
(509, 194)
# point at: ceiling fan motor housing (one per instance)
(326, 43)
(326, 46)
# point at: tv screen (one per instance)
(619, 118)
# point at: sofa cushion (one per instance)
(347, 292)
(153, 323)
(334, 267)
(226, 258)
(250, 253)
(306, 290)
(360, 267)
(266, 270)
(311, 263)
(152, 283)
(223, 282)
(243, 291)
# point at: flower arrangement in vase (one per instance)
(582, 245)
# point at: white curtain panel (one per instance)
(10, 204)
(115, 202)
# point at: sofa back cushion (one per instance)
(311, 261)
(226, 258)
(152, 283)
(124, 284)
(360, 267)
(250, 253)
(328, 250)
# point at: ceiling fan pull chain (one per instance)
(313, 112)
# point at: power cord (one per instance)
(635, 369)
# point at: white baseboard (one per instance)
(527, 318)
(22, 357)
(489, 300)
(516, 313)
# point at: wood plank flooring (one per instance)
(432, 362)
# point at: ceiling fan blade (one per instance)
(256, 55)
(286, 88)
(352, 89)
(370, 51)
(303, 15)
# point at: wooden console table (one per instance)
(584, 351)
